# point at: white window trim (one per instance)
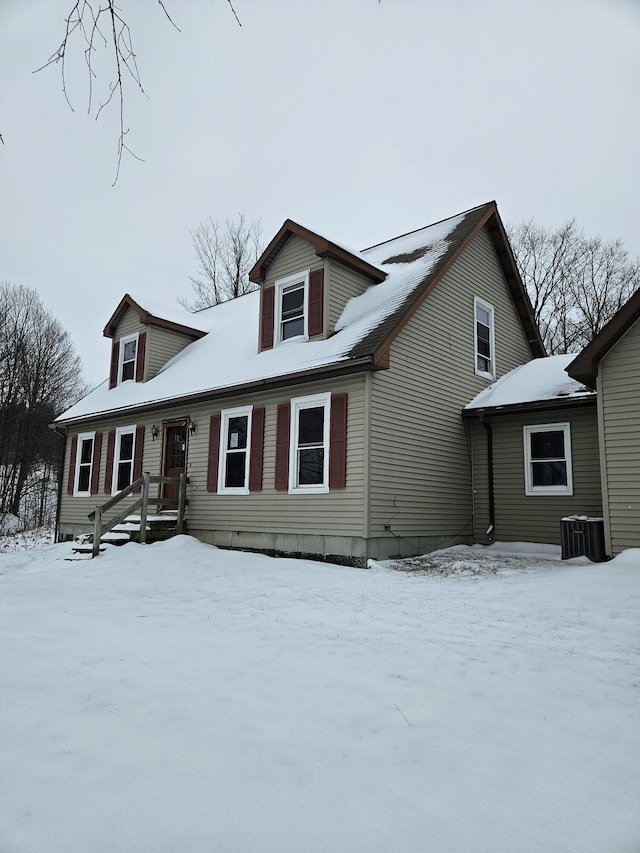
(83, 436)
(310, 402)
(530, 489)
(280, 285)
(120, 431)
(486, 306)
(225, 416)
(125, 340)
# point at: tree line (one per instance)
(40, 375)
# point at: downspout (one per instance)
(61, 431)
(492, 503)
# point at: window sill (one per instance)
(238, 491)
(549, 491)
(491, 377)
(308, 490)
(295, 339)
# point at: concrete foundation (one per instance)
(343, 550)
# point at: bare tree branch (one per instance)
(225, 257)
(576, 283)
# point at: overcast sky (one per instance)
(361, 120)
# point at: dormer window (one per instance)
(292, 306)
(127, 359)
(128, 352)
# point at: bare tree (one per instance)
(40, 376)
(100, 23)
(225, 256)
(576, 283)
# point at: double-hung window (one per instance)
(484, 338)
(123, 458)
(84, 463)
(547, 454)
(292, 306)
(235, 442)
(309, 444)
(128, 352)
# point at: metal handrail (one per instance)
(143, 483)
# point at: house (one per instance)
(534, 449)
(610, 364)
(320, 415)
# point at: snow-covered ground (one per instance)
(25, 540)
(175, 697)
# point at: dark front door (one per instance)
(175, 454)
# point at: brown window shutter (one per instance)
(108, 473)
(316, 302)
(140, 350)
(283, 418)
(72, 465)
(214, 453)
(137, 456)
(115, 357)
(95, 463)
(268, 305)
(338, 442)
(257, 448)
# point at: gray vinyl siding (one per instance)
(533, 518)
(339, 512)
(420, 452)
(129, 324)
(162, 345)
(297, 255)
(74, 510)
(344, 284)
(619, 399)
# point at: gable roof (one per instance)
(541, 383)
(226, 359)
(584, 367)
(176, 318)
(442, 244)
(324, 249)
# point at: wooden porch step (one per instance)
(85, 548)
(115, 537)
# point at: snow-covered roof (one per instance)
(539, 380)
(228, 357)
(172, 313)
(156, 313)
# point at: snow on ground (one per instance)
(176, 697)
(25, 540)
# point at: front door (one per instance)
(175, 455)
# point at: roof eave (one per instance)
(532, 406)
(324, 372)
